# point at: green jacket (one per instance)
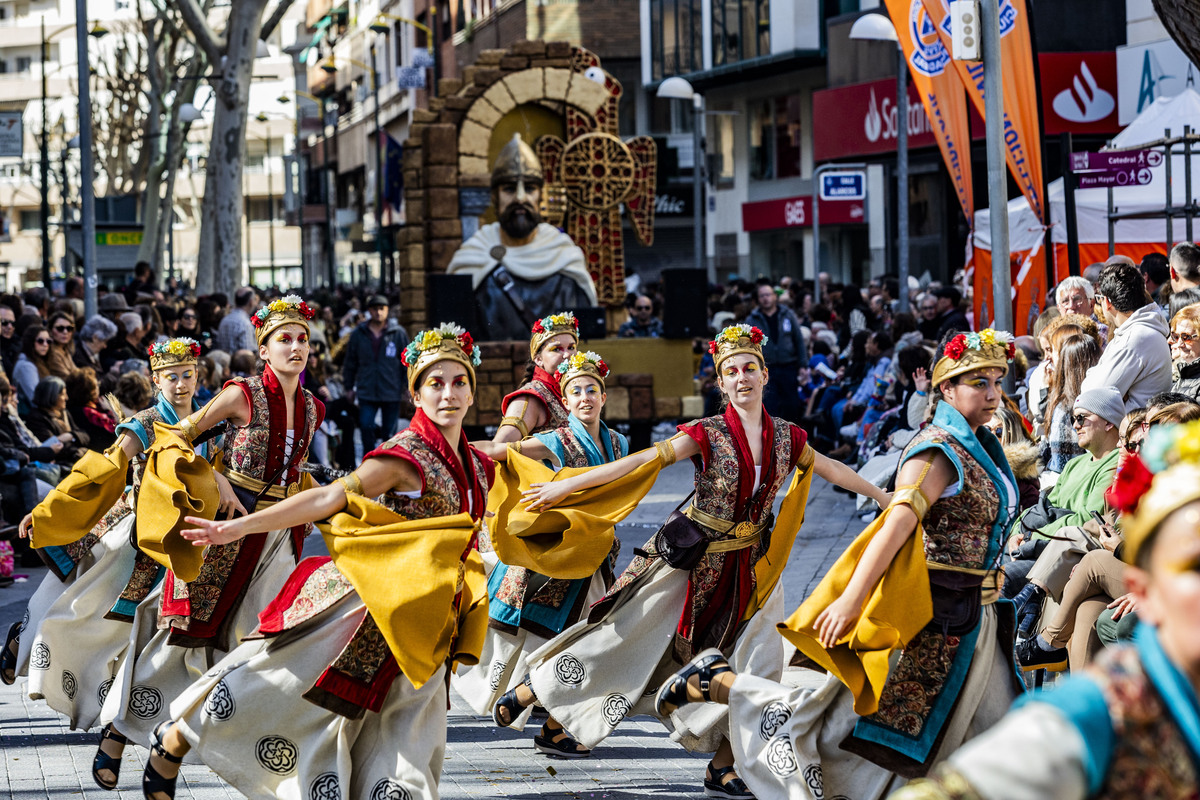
(1081, 488)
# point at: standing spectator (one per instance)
(1137, 361)
(929, 322)
(93, 338)
(1156, 274)
(61, 358)
(1075, 295)
(142, 283)
(189, 324)
(1184, 266)
(236, 331)
(950, 315)
(1185, 352)
(642, 323)
(31, 366)
(113, 305)
(10, 343)
(784, 352)
(170, 321)
(373, 371)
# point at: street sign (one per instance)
(843, 185)
(1136, 176)
(119, 238)
(1116, 160)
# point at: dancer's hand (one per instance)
(883, 500)
(229, 502)
(209, 531)
(540, 496)
(26, 524)
(836, 620)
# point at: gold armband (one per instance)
(666, 452)
(188, 430)
(518, 423)
(514, 446)
(352, 483)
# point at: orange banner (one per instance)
(1022, 134)
(941, 93)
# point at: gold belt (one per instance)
(990, 587)
(273, 491)
(745, 534)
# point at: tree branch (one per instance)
(206, 38)
(276, 17)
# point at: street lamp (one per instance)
(878, 28)
(676, 88)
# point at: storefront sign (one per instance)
(862, 119)
(1146, 72)
(1079, 92)
(796, 212)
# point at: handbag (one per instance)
(679, 541)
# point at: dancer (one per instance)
(527, 609)
(656, 616)
(342, 691)
(211, 598)
(537, 405)
(921, 579)
(1126, 725)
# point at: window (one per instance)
(24, 63)
(722, 156)
(10, 171)
(675, 37)
(741, 30)
(31, 220)
(775, 138)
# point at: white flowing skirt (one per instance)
(592, 676)
(156, 672)
(786, 741)
(49, 590)
(247, 720)
(75, 650)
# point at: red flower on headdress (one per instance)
(712, 348)
(257, 320)
(306, 311)
(602, 368)
(150, 351)
(756, 336)
(1132, 481)
(1011, 351)
(956, 347)
(195, 351)
(538, 327)
(466, 342)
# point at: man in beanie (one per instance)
(1046, 564)
(374, 372)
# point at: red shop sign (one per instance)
(1079, 92)
(861, 120)
(796, 212)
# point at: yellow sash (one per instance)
(72, 509)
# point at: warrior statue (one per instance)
(522, 269)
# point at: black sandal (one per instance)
(552, 745)
(104, 761)
(733, 789)
(152, 782)
(707, 665)
(8, 658)
(508, 702)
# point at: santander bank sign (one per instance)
(863, 119)
(880, 120)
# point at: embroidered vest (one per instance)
(441, 497)
(555, 409)
(250, 449)
(717, 485)
(576, 456)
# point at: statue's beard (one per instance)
(519, 220)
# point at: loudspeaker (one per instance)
(451, 299)
(592, 322)
(685, 303)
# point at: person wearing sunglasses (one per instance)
(94, 336)
(60, 360)
(10, 343)
(1185, 352)
(31, 366)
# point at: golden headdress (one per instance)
(1161, 479)
(581, 365)
(741, 339)
(288, 309)
(968, 352)
(547, 328)
(515, 163)
(173, 353)
(446, 342)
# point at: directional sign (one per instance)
(843, 185)
(1125, 177)
(1116, 160)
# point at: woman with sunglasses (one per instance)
(61, 358)
(31, 367)
(1185, 352)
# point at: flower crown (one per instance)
(284, 305)
(734, 334)
(580, 363)
(967, 352)
(173, 351)
(555, 322)
(430, 340)
(976, 341)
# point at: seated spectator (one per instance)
(88, 414)
(1079, 491)
(912, 382)
(49, 419)
(31, 366)
(61, 358)
(129, 344)
(242, 364)
(642, 324)
(1137, 360)
(134, 392)
(19, 453)
(1071, 355)
(94, 336)
(1185, 352)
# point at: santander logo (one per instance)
(873, 122)
(1085, 101)
(881, 120)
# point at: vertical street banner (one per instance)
(1022, 135)
(941, 93)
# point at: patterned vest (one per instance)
(717, 484)
(441, 497)
(576, 456)
(250, 449)
(550, 398)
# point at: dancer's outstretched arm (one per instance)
(841, 475)
(498, 451)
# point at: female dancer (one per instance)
(80, 639)
(1126, 725)
(537, 404)
(920, 579)
(656, 617)
(347, 696)
(522, 621)
(211, 600)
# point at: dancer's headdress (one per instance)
(741, 339)
(967, 352)
(547, 328)
(580, 365)
(446, 342)
(179, 352)
(288, 309)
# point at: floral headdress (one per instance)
(287, 309)
(1163, 477)
(582, 364)
(736, 340)
(967, 352)
(173, 353)
(548, 327)
(446, 342)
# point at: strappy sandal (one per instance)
(103, 761)
(706, 666)
(733, 789)
(509, 703)
(8, 658)
(152, 782)
(559, 743)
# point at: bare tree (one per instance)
(231, 52)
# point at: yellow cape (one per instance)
(783, 536)
(406, 572)
(177, 483)
(896, 610)
(572, 539)
(72, 509)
